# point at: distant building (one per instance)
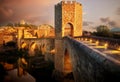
(86, 33)
(29, 33)
(7, 34)
(10, 33)
(115, 30)
(45, 31)
(22, 22)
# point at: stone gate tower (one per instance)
(68, 22)
(68, 19)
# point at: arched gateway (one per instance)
(68, 30)
(68, 22)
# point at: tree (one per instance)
(10, 25)
(103, 31)
(102, 28)
(11, 44)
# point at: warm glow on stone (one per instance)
(23, 45)
(99, 47)
(32, 49)
(106, 45)
(86, 39)
(111, 52)
(81, 38)
(90, 40)
(52, 51)
(119, 48)
(97, 42)
(24, 61)
(33, 46)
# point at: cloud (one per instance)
(5, 13)
(110, 22)
(40, 19)
(118, 11)
(34, 11)
(104, 20)
(87, 23)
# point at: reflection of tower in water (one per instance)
(22, 66)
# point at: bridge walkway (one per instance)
(110, 53)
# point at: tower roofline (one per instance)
(68, 2)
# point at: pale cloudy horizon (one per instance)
(95, 12)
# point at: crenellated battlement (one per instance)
(69, 3)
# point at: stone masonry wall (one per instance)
(90, 65)
(68, 15)
(58, 20)
(78, 20)
(44, 46)
(68, 12)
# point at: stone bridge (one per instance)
(37, 45)
(88, 64)
(85, 62)
(89, 60)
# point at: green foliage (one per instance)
(116, 36)
(103, 31)
(102, 28)
(10, 25)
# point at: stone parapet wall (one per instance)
(112, 43)
(90, 65)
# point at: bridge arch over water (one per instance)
(67, 62)
(24, 45)
(33, 47)
(37, 45)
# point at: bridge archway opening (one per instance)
(33, 48)
(24, 45)
(67, 63)
(68, 30)
(43, 49)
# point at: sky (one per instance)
(95, 12)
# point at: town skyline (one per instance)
(95, 12)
